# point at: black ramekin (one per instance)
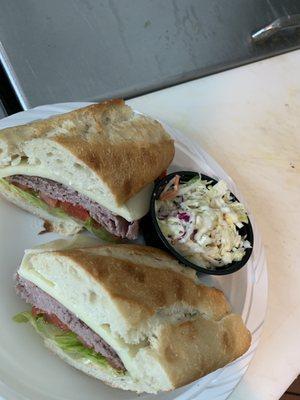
(154, 237)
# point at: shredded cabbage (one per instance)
(67, 341)
(202, 223)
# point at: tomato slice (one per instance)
(48, 200)
(36, 311)
(51, 318)
(75, 211)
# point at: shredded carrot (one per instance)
(171, 194)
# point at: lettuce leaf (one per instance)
(33, 199)
(100, 232)
(67, 341)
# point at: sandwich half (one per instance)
(92, 167)
(129, 315)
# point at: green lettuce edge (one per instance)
(101, 233)
(66, 341)
(34, 200)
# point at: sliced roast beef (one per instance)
(113, 223)
(43, 301)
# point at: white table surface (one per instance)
(248, 119)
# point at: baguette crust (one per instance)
(173, 329)
(153, 288)
(188, 350)
(125, 150)
(195, 348)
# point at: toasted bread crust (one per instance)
(125, 150)
(187, 328)
(195, 348)
(187, 350)
(151, 287)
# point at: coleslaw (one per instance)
(200, 220)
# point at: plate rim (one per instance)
(254, 276)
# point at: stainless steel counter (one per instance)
(64, 50)
(2, 110)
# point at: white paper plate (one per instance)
(29, 371)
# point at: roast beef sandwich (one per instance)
(128, 315)
(92, 167)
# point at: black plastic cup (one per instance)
(153, 236)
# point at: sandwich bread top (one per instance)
(145, 286)
(144, 281)
(123, 150)
(144, 304)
